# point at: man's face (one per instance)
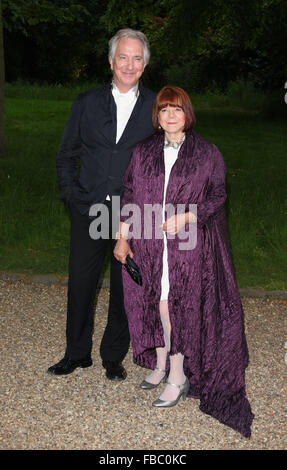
(128, 63)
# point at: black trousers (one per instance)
(85, 264)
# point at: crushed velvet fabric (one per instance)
(206, 315)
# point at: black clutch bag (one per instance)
(133, 270)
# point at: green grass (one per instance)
(34, 225)
(21, 89)
(254, 149)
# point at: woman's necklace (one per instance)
(174, 145)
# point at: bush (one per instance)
(239, 94)
(44, 91)
(186, 76)
(243, 94)
(275, 104)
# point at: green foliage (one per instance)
(19, 15)
(274, 104)
(249, 39)
(22, 89)
(243, 94)
(50, 41)
(186, 75)
(193, 42)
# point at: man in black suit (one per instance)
(103, 127)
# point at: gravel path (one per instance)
(86, 411)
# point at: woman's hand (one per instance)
(122, 249)
(176, 222)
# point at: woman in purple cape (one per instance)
(186, 320)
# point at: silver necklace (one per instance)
(174, 145)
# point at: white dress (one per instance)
(170, 156)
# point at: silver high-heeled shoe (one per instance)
(149, 386)
(183, 391)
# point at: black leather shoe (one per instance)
(114, 370)
(67, 366)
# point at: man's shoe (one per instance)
(67, 366)
(114, 370)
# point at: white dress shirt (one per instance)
(125, 103)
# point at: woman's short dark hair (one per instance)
(176, 97)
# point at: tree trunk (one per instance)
(3, 146)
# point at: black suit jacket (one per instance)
(90, 164)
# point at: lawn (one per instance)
(34, 235)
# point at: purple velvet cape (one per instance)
(205, 309)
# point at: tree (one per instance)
(153, 19)
(245, 40)
(194, 43)
(53, 41)
(3, 146)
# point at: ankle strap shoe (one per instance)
(183, 391)
(145, 385)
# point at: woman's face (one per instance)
(172, 119)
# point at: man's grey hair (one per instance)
(129, 33)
